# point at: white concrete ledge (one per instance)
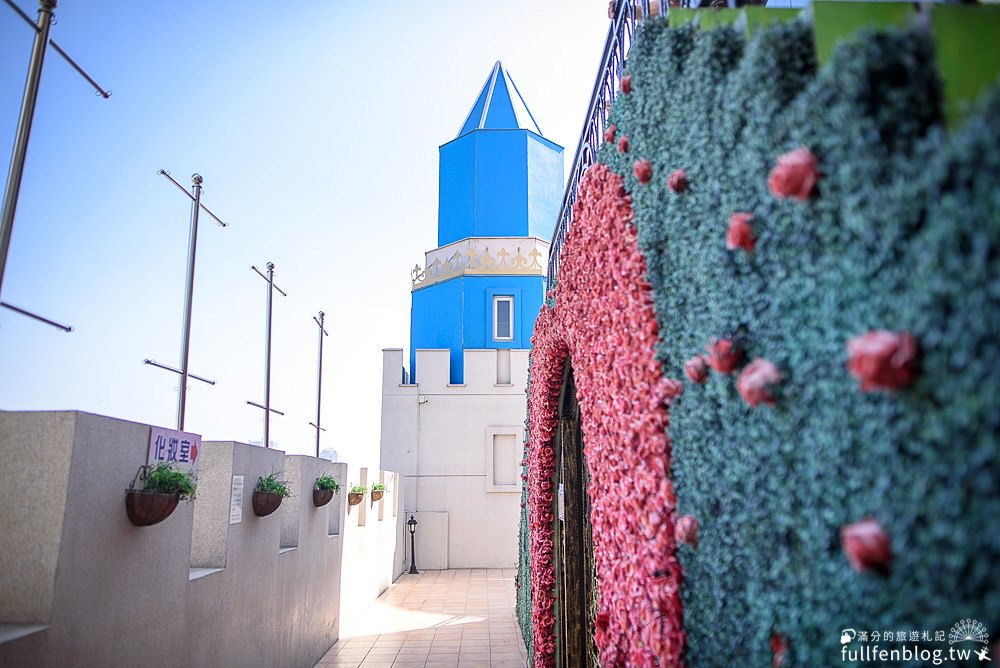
(198, 573)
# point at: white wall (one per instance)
(80, 585)
(372, 557)
(440, 437)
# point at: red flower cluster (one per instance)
(643, 170)
(740, 233)
(867, 546)
(756, 382)
(724, 355)
(627, 84)
(623, 145)
(779, 645)
(678, 181)
(882, 360)
(795, 175)
(604, 322)
(609, 134)
(696, 369)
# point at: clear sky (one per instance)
(316, 127)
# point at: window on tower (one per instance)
(503, 318)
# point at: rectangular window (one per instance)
(504, 463)
(503, 366)
(503, 318)
(503, 456)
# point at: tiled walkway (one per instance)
(438, 618)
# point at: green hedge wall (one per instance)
(523, 581)
(903, 234)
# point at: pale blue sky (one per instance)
(316, 126)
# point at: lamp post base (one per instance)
(413, 553)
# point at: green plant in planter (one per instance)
(378, 487)
(328, 483)
(273, 485)
(169, 479)
(359, 489)
(155, 492)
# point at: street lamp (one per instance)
(411, 524)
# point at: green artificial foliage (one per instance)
(523, 581)
(327, 482)
(169, 479)
(903, 234)
(272, 484)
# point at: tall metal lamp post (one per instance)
(411, 524)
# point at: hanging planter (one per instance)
(162, 488)
(265, 503)
(321, 497)
(355, 496)
(324, 489)
(268, 493)
(378, 490)
(148, 508)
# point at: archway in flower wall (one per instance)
(603, 320)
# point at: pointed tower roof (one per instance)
(499, 106)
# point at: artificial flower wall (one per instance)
(823, 260)
(845, 471)
(602, 323)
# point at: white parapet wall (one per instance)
(461, 446)
(213, 585)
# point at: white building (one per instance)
(454, 424)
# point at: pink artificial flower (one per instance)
(672, 389)
(609, 134)
(627, 84)
(867, 546)
(740, 233)
(795, 175)
(601, 623)
(643, 170)
(611, 10)
(882, 360)
(724, 355)
(678, 180)
(642, 614)
(756, 382)
(696, 369)
(623, 145)
(686, 530)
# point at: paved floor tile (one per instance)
(437, 619)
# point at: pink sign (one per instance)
(178, 448)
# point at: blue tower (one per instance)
(500, 189)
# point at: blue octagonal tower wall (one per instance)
(497, 183)
(499, 179)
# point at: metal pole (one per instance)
(24, 130)
(196, 181)
(319, 380)
(267, 358)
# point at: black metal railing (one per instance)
(627, 15)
